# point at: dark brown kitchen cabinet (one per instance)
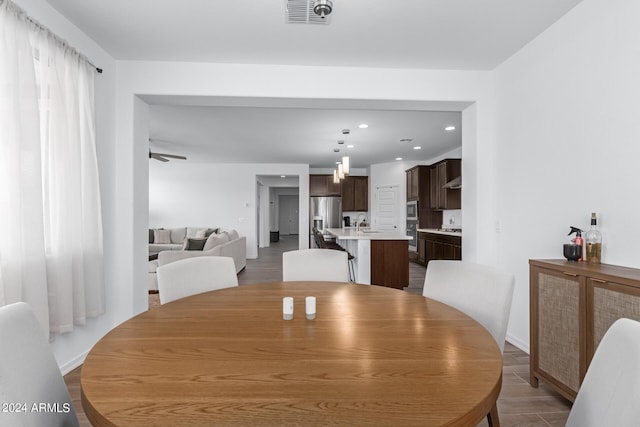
(418, 188)
(323, 185)
(418, 184)
(390, 263)
(413, 180)
(441, 173)
(438, 246)
(422, 248)
(572, 304)
(355, 194)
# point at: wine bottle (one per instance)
(593, 240)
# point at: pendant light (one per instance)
(336, 180)
(345, 165)
(340, 171)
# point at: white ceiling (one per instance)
(444, 34)
(300, 131)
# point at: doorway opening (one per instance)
(278, 208)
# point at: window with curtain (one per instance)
(50, 213)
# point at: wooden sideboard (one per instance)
(572, 304)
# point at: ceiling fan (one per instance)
(165, 157)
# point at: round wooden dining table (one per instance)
(372, 356)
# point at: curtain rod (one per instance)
(51, 33)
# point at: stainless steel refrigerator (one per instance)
(324, 212)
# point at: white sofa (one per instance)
(176, 237)
(224, 244)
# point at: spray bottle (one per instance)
(577, 240)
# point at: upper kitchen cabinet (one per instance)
(418, 184)
(323, 185)
(355, 194)
(418, 189)
(446, 184)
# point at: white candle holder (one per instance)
(287, 308)
(310, 307)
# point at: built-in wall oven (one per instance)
(412, 210)
(412, 224)
(412, 231)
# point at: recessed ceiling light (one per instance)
(363, 126)
(283, 176)
(417, 147)
(406, 140)
(398, 158)
(450, 128)
(340, 141)
(337, 163)
(346, 131)
(350, 146)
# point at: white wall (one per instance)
(70, 349)
(215, 195)
(567, 142)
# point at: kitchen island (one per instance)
(381, 257)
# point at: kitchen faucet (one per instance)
(358, 221)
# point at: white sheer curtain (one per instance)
(50, 213)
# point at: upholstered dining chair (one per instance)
(315, 265)
(194, 276)
(29, 374)
(481, 292)
(610, 391)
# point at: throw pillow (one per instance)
(215, 240)
(211, 231)
(193, 244)
(202, 233)
(162, 236)
(233, 235)
(178, 234)
(151, 233)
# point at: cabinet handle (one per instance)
(593, 279)
(569, 274)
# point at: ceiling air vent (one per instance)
(301, 12)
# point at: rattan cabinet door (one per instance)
(609, 302)
(556, 329)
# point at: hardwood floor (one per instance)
(519, 404)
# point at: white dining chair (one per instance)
(610, 392)
(192, 276)
(481, 292)
(315, 265)
(29, 374)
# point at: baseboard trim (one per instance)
(73, 363)
(522, 345)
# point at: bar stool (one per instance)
(323, 244)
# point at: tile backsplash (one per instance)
(452, 218)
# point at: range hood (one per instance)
(454, 184)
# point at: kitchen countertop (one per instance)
(367, 234)
(439, 231)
